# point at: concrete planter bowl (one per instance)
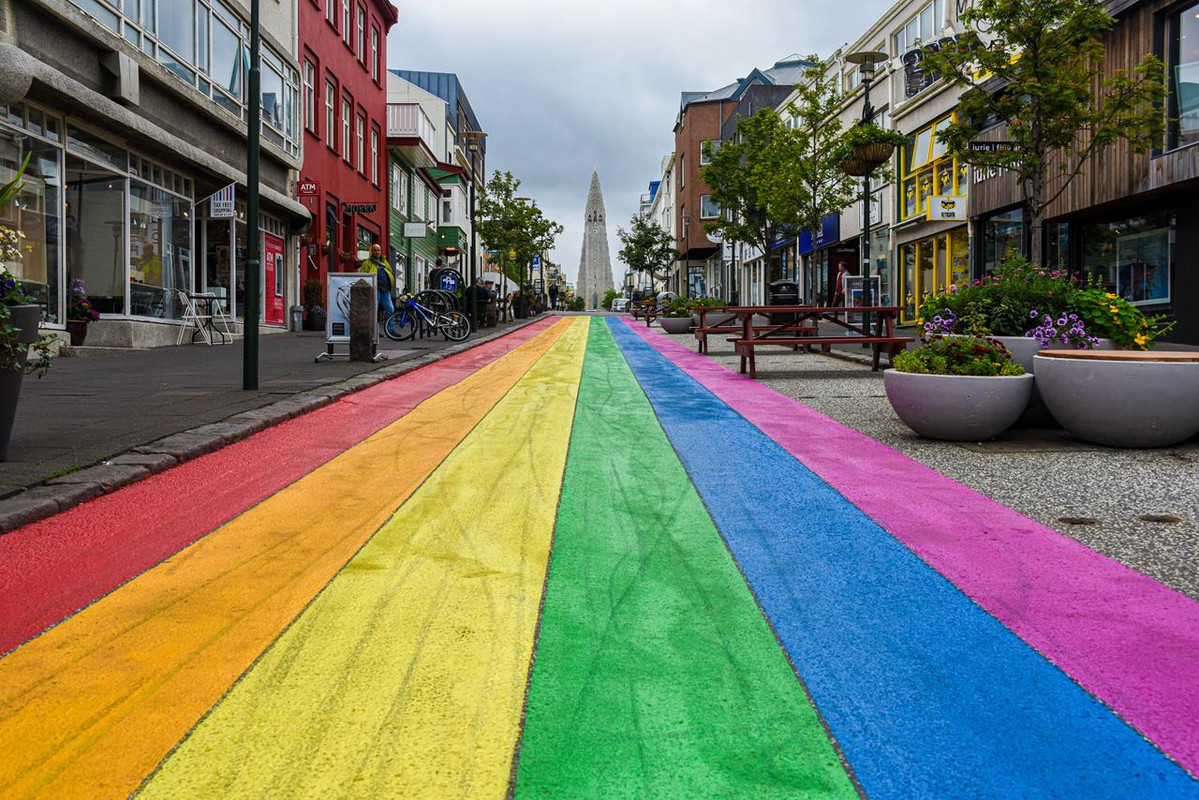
(714, 318)
(957, 408)
(1122, 398)
(1023, 349)
(675, 324)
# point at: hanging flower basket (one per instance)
(854, 166)
(873, 153)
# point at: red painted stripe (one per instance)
(52, 568)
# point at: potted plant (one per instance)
(676, 316)
(314, 318)
(709, 303)
(19, 316)
(866, 146)
(959, 388)
(79, 313)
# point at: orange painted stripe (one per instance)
(89, 708)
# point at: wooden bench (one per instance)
(701, 334)
(745, 347)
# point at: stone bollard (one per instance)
(362, 321)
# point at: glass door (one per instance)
(96, 237)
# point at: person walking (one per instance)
(839, 284)
(553, 297)
(385, 279)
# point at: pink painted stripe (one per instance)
(1127, 639)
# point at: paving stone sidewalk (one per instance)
(107, 418)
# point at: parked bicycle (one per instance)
(411, 316)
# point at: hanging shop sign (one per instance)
(416, 230)
(358, 208)
(221, 204)
(941, 208)
(308, 189)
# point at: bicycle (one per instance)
(403, 324)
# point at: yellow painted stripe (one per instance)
(89, 708)
(406, 677)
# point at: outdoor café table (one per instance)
(803, 329)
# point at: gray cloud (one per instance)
(565, 88)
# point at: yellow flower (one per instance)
(1112, 296)
(1113, 309)
(1141, 339)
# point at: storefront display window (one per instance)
(929, 266)
(880, 261)
(1184, 76)
(1133, 257)
(31, 221)
(1003, 238)
(96, 233)
(1057, 245)
(160, 236)
(927, 170)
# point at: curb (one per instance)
(67, 491)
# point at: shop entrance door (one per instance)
(272, 285)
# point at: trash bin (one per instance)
(783, 293)
(297, 318)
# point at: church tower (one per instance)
(595, 267)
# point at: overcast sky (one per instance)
(563, 88)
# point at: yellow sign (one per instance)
(946, 207)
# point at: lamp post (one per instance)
(867, 61)
(474, 141)
(249, 380)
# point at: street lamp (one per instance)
(474, 142)
(867, 61)
(253, 289)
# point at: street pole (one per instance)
(866, 61)
(474, 242)
(253, 288)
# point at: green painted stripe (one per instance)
(656, 673)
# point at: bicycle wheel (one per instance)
(400, 326)
(454, 326)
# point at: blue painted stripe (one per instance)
(928, 695)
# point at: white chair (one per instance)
(192, 319)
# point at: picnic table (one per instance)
(799, 326)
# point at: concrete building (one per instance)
(134, 117)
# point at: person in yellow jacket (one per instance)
(385, 280)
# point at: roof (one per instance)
(786, 72)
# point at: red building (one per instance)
(343, 104)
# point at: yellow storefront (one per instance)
(933, 191)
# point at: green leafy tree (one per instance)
(1060, 103)
(647, 248)
(609, 296)
(513, 226)
(744, 174)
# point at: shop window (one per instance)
(929, 266)
(1057, 245)
(1003, 239)
(1132, 257)
(160, 248)
(1184, 76)
(30, 228)
(928, 170)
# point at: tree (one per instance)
(743, 175)
(514, 227)
(1046, 58)
(648, 249)
(814, 186)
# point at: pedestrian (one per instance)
(476, 300)
(490, 315)
(384, 281)
(839, 284)
(553, 297)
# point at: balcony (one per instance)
(410, 130)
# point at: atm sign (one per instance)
(308, 189)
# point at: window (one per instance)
(360, 38)
(929, 266)
(360, 139)
(374, 155)
(682, 172)
(346, 114)
(922, 28)
(309, 96)
(345, 21)
(375, 53)
(1132, 257)
(1184, 77)
(403, 184)
(394, 187)
(928, 171)
(706, 149)
(708, 209)
(331, 114)
(206, 45)
(331, 12)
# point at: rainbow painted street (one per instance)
(580, 561)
